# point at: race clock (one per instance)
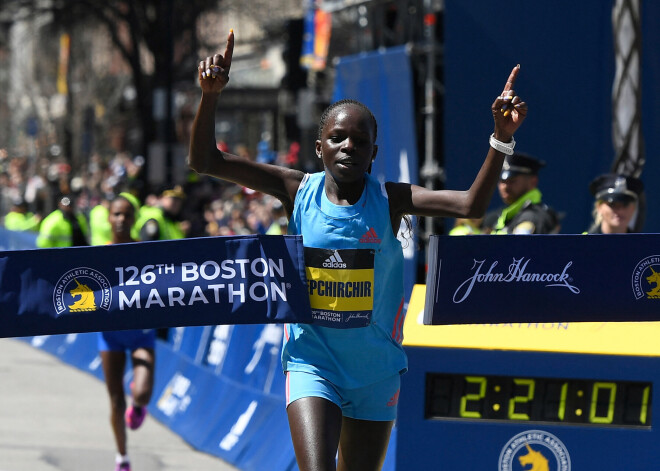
(566, 401)
(508, 397)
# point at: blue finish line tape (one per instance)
(543, 278)
(206, 281)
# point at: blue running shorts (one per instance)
(122, 340)
(376, 401)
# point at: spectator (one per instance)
(278, 214)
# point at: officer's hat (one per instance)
(520, 164)
(176, 192)
(612, 187)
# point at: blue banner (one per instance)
(17, 240)
(382, 80)
(207, 281)
(543, 278)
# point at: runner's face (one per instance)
(347, 143)
(121, 217)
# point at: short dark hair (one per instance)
(338, 104)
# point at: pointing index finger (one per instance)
(229, 50)
(512, 79)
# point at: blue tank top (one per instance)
(354, 266)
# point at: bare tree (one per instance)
(156, 38)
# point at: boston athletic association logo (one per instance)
(82, 290)
(534, 450)
(646, 278)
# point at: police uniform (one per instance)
(63, 228)
(154, 223)
(465, 227)
(611, 188)
(528, 214)
(19, 219)
(100, 230)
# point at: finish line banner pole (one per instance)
(206, 281)
(486, 279)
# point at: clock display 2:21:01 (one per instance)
(536, 399)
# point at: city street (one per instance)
(54, 417)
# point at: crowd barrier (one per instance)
(219, 387)
(13, 240)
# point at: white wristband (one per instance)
(504, 147)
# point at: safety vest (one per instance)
(464, 229)
(57, 231)
(167, 229)
(15, 221)
(527, 215)
(100, 229)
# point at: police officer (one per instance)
(161, 222)
(616, 201)
(20, 219)
(64, 227)
(525, 212)
(100, 230)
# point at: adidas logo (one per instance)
(334, 261)
(370, 237)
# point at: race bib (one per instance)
(340, 285)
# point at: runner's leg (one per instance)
(113, 370)
(363, 444)
(143, 375)
(315, 425)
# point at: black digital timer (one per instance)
(515, 397)
(530, 399)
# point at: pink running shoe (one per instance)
(135, 416)
(123, 466)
